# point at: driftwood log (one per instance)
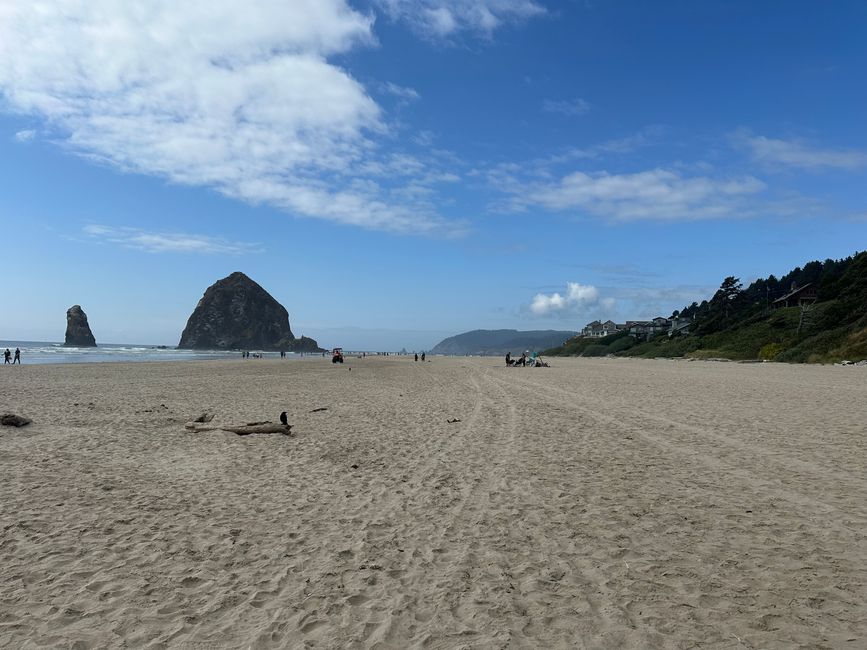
(242, 429)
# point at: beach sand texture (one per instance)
(605, 503)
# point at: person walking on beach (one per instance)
(6, 356)
(416, 355)
(17, 357)
(422, 356)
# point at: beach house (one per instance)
(798, 296)
(598, 329)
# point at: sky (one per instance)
(397, 171)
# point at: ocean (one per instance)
(39, 352)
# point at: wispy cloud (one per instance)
(444, 18)
(571, 108)
(796, 153)
(657, 194)
(508, 174)
(25, 136)
(403, 93)
(251, 106)
(168, 242)
(577, 299)
(643, 303)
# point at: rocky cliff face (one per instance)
(236, 313)
(78, 332)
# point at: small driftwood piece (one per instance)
(243, 429)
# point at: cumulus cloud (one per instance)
(577, 298)
(796, 153)
(569, 108)
(657, 194)
(240, 97)
(444, 18)
(168, 242)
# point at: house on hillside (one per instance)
(598, 329)
(679, 326)
(642, 330)
(661, 324)
(798, 296)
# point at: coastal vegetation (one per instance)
(754, 323)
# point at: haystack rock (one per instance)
(78, 334)
(236, 313)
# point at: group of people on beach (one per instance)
(422, 356)
(7, 357)
(534, 361)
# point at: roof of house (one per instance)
(794, 292)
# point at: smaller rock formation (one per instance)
(78, 334)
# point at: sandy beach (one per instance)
(601, 503)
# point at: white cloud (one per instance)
(505, 174)
(796, 153)
(404, 93)
(656, 194)
(444, 18)
(239, 97)
(168, 242)
(25, 136)
(578, 298)
(569, 108)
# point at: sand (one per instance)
(606, 503)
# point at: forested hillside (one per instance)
(743, 323)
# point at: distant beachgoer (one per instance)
(7, 356)
(522, 361)
(416, 355)
(508, 358)
(422, 356)
(17, 357)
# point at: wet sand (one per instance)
(596, 504)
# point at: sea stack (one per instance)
(78, 334)
(236, 313)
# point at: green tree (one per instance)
(727, 293)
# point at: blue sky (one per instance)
(397, 171)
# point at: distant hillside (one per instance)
(495, 342)
(750, 323)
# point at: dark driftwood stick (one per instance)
(244, 429)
